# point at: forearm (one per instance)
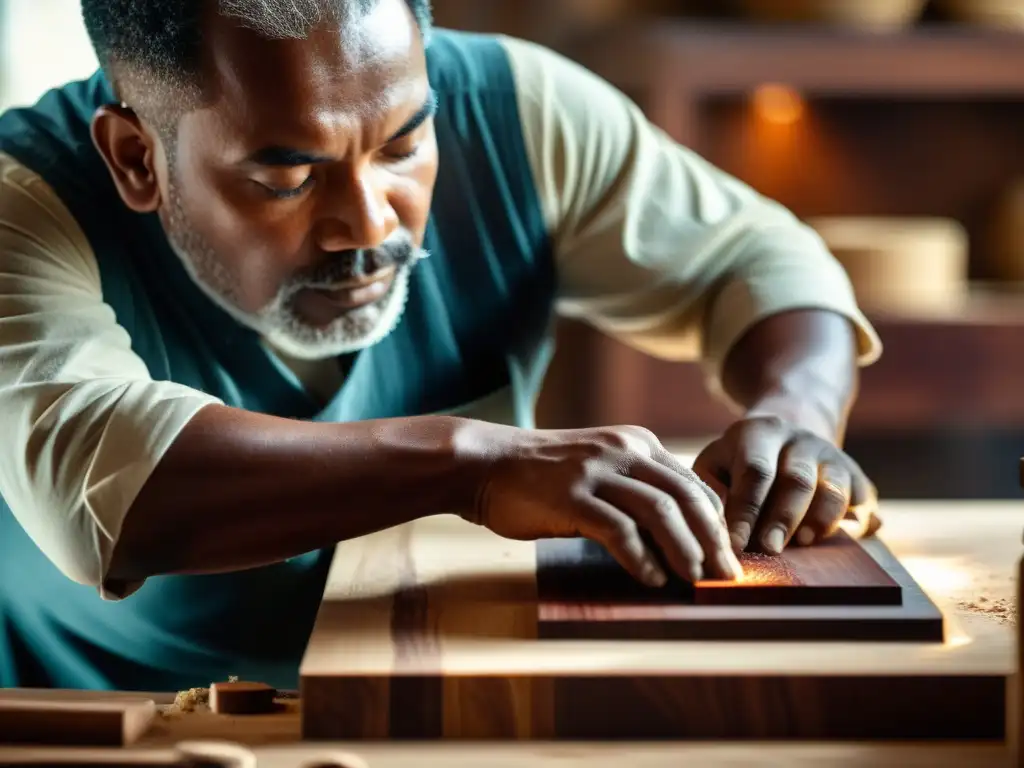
(799, 365)
(238, 490)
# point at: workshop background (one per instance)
(895, 127)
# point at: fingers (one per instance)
(794, 489)
(712, 487)
(696, 508)
(712, 467)
(755, 463)
(862, 490)
(828, 506)
(617, 532)
(684, 515)
(659, 513)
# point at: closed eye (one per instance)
(289, 192)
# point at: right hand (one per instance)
(607, 485)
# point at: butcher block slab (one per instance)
(431, 631)
(842, 589)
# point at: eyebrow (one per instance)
(424, 113)
(288, 157)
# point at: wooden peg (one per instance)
(241, 698)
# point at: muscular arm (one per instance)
(238, 490)
(801, 366)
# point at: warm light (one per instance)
(942, 576)
(778, 104)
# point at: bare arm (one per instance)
(239, 490)
(801, 366)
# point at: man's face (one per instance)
(299, 194)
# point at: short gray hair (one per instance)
(161, 37)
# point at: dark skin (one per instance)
(348, 116)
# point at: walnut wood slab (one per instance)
(430, 631)
(840, 590)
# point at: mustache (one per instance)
(358, 264)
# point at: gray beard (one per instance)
(278, 323)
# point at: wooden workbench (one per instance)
(964, 554)
(429, 631)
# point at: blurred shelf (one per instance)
(728, 58)
(956, 370)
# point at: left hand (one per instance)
(781, 483)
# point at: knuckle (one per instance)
(622, 536)
(803, 479)
(616, 438)
(833, 495)
(747, 513)
(787, 516)
(665, 508)
(768, 422)
(645, 434)
(758, 472)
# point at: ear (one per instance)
(130, 153)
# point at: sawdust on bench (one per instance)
(191, 700)
(198, 700)
(1002, 610)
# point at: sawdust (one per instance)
(760, 569)
(192, 700)
(1003, 611)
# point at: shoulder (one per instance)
(490, 64)
(465, 63)
(41, 243)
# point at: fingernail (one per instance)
(805, 537)
(775, 540)
(696, 572)
(740, 535)
(653, 575)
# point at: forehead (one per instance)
(343, 74)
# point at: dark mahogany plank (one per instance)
(836, 572)
(596, 599)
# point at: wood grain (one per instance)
(463, 660)
(27, 720)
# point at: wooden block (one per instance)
(833, 591)
(836, 572)
(240, 698)
(24, 720)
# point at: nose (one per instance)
(356, 212)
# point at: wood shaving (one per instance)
(188, 701)
(192, 699)
(1001, 610)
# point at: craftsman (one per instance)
(284, 273)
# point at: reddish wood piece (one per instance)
(836, 590)
(241, 698)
